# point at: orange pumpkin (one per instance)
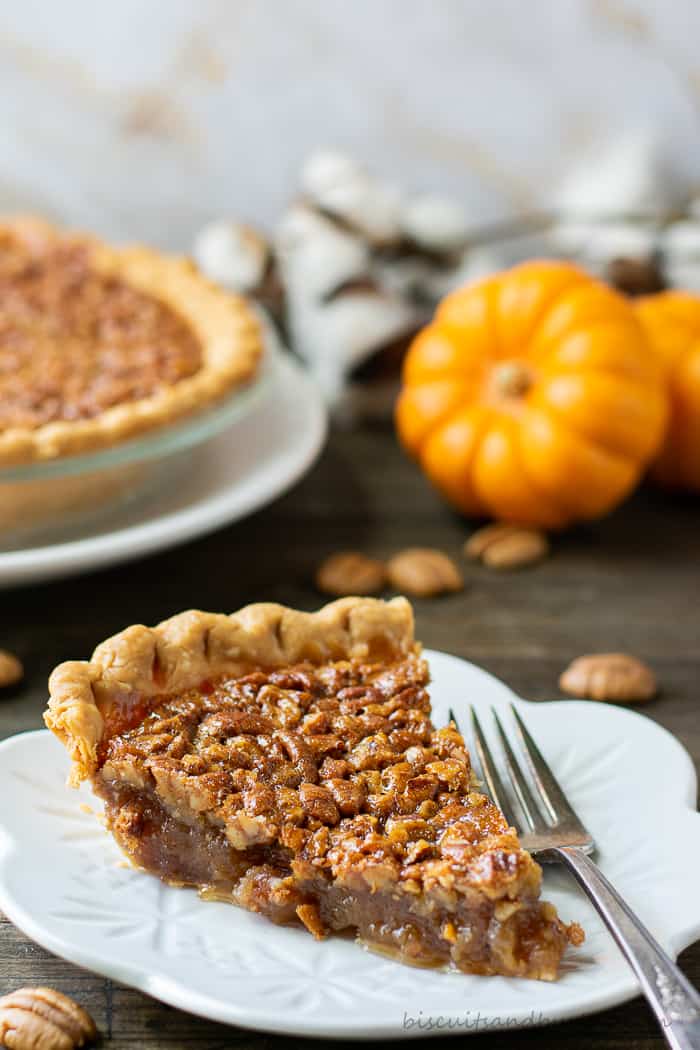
(672, 323)
(532, 397)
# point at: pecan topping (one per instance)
(123, 345)
(360, 755)
(348, 795)
(318, 802)
(301, 754)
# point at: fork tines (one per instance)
(549, 817)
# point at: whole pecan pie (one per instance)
(287, 762)
(100, 344)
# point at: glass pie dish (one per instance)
(43, 498)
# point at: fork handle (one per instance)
(669, 993)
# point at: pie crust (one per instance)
(222, 324)
(181, 652)
(286, 762)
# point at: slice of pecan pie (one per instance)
(287, 762)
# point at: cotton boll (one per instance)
(298, 223)
(596, 243)
(681, 248)
(338, 315)
(631, 176)
(409, 276)
(325, 169)
(372, 209)
(337, 336)
(426, 281)
(315, 256)
(684, 274)
(233, 255)
(481, 260)
(338, 185)
(434, 223)
(681, 241)
(477, 262)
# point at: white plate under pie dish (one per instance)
(631, 781)
(246, 466)
(47, 499)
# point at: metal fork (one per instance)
(555, 835)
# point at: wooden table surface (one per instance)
(631, 582)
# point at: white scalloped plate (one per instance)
(63, 881)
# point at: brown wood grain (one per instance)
(631, 582)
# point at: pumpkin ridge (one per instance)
(597, 328)
(577, 277)
(481, 432)
(672, 323)
(492, 295)
(672, 309)
(486, 294)
(578, 427)
(547, 497)
(497, 474)
(667, 467)
(480, 422)
(618, 374)
(572, 509)
(415, 370)
(580, 322)
(411, 395)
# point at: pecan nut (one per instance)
(43, 1019)
(505, 546)
(11, 670)
(318, 802)
(609, 676)
(424, 572)
(348, 795)
(350, 572)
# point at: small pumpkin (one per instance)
(672, 323)
(532, 397)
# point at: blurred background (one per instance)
(346, 166)
(144, 120)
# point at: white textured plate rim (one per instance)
(686, 770)
(174, 992)
(70, 557)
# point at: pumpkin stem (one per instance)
(512, 379)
